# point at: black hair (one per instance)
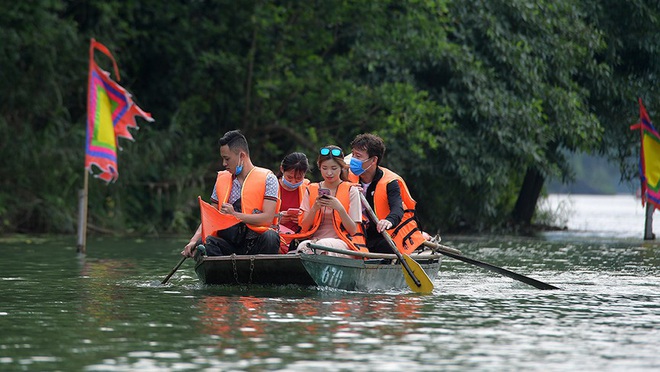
(296, 161)
(371, 143)
(235, 140)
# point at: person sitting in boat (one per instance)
(390, 200)
(332, 213)
(248, 193)
(293, 186)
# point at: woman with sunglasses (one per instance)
(332, 212)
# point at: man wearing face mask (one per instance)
(248, 193)
(387, 194)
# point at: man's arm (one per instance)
(268, 213)
(395, 203)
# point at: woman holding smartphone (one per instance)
(332, 212)
(293, 185)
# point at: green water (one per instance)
(108, 312)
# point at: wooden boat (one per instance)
(376, 272)
(263, 269)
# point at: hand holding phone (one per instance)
(293, 211)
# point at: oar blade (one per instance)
(451, 252)
(425, 283)
(502, 271)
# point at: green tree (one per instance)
(478, 102)
(42, 80)
(520, 98)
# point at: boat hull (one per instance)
(362, 275)
(263, 269)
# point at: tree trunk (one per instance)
(528, 196)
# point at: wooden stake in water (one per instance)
(648, 226)
(82, 215)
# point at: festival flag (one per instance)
(213, 220)
(649, 159)
(110, 112)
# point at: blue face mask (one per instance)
(291, 185)
(239, 169)
(356, 166)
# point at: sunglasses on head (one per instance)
(335, 152)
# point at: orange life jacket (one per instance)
(252, 194)
(406, 235)
(355, 242)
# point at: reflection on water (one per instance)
(107, 312)
(247, 327)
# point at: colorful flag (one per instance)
(213, 220)
(110, 112)
(649, 160)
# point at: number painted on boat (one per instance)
(331, 276)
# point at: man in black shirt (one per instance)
(388, 195)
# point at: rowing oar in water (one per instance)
(200, 248)
(173, 270)
(451, 252)
(416, 277)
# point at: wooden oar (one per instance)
(173, 270)
(448, 251)
(415, 276)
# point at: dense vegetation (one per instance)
(479, 101)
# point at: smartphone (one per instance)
(293, 212)
(324, 193)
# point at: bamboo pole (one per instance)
(82, 215)
(648, 226)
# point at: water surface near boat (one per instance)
(107, 311)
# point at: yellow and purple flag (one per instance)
(649, 159)
(110, 112)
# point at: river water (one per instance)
(108, 312)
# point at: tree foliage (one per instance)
(467, 95)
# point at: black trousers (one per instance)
(378, 244)
(235, 240)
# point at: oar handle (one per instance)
(389, 240)
(441, 248)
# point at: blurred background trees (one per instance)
(480, 103)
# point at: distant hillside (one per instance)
(593, 175)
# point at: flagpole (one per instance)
(82, 215)
(83, 194)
